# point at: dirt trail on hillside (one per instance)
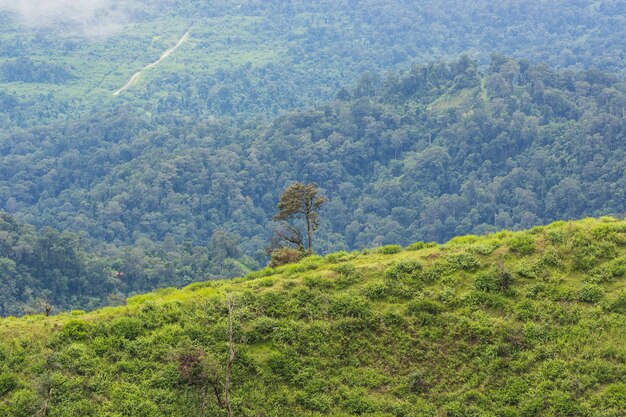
(164, 55)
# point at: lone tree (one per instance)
(299, 203)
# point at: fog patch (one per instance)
(91, 18)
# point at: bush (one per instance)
(7, 383)
(350, 305)
(348, 275)
(484, 249)
(609, 271)
(588, 252)
(416, 246)
(404, 270)
(416, 382)
(522, 245)
(375, 291)
(75, 330)
(127, 327)
(619, 304)
(340, 256)
(403, 278)
(494, 281)
(284, 256)
(317, 281)
(464, 261)
(590, 293)
(424, 306)
(389, 249)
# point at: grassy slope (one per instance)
(432, 331)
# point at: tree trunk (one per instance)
(309, 231)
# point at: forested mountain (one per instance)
(45, 271)
(59, 60)
(512, 324)
(176, 178)
(434, 152)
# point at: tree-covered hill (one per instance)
(49, 271)
(510, 324)
(60, 60)
(434, 152)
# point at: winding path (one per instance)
(164, 55)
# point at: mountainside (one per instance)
(510, 324)
(59, 60)
(44, 269)
(430, 153)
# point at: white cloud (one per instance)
(86, 17)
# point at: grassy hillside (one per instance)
(511, 324)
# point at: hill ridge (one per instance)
(512, 323)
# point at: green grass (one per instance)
(511, 324)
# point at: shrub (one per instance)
(417, 382)
(348, 275)
(557, 237)
(464, 261)
(401, 278)
(494, 281)
(404, 270)
(590, 293)
(588, 252)
(375, 291)
(317, 281)
(551, 258)
(610, 271)
(7, 383)
(528, 269)
(424, 306)
(484, 249)
(389, 249)
(284, 256)
(340, 256)
(75, 330)
(522, 245)
(619, 304)
(416, 246)
(265, 272)
(350, 305)
(127, 327)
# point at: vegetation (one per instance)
(430, 153)
(451, 330)
(299, 203)
(256, 58)
(47, 271)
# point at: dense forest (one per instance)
(434, 152)
(45, 271)
(512, 324)
(429, 153)
(252, 58)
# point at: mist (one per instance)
(91, 18)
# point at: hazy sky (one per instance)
(88, 17)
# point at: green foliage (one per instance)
(284, 256)
(590, 293)
(312, 344)
(389, 249)
(8, 382)
(347, 275)
(416, 246)
(494, 281)
(523, 244)
(463, 261)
